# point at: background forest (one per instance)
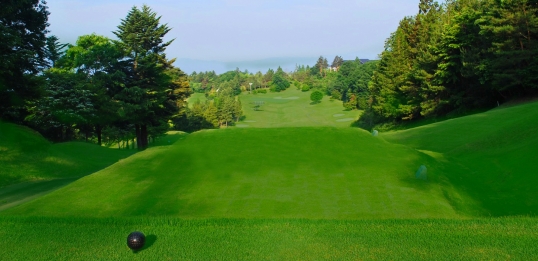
(452, 58)
(448, 60)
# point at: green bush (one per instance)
(350, 105)
(305, 87)
(362, 102)
(316, 96)
(335, 94)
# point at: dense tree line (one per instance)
(209, 82)
(123, 89)
(222, 106)
(451, 58)
(344, 80)
(221, 110)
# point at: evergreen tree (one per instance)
(320, 65)
(211, 116)
(268, 77)
(226, 108)
(337, 62)
(464, 54)
(54, 50)
(145, 91)
(238, 109)
(513, 25)
(23, 28)
(279, 80)
(404, 87)
(390, 76)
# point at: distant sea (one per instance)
(253, 66)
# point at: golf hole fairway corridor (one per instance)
(285, 189)
(293, 108)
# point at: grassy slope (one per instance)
(493, 156)
(31, 166)
(27, 156)
(260, 173)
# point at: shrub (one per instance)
(350, 105)
(335, 94)
(316, 96)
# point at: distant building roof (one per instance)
(361, 60)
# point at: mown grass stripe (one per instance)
(270, 239)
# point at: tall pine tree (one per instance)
(23, 28)
(146, 90)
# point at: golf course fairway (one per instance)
(314, 191)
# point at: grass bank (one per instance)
(492, 156)
(26, 156)
(260, 173)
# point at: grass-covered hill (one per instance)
(27, 156)
(259, 173)
(492, 156)
(31, 166)
(480, 165)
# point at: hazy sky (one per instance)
(256, 35)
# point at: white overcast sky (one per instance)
(256, 35)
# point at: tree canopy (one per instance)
(23, 29)
(147, 86)
(454, 57)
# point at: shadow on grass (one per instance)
(150, 240)
(168, 139)
(418, 184)
(15, 195)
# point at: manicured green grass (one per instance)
(32, 167)
(259, 173)
(272, 239)
(492, 156)
(17, 194)
(293, 108)
(27, 156)
(309, 193)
